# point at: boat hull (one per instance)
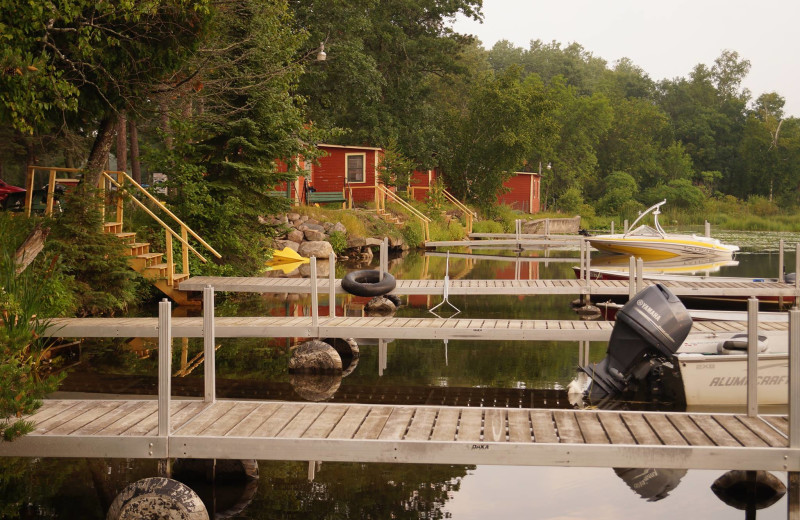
(722, 379)
(659, 248)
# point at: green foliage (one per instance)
(436, 198)
(571, 201)
(395, 169)
(620, 189)
(413, 233)
(488, 226)
(24, 308)
(338, 241)
(103, 282)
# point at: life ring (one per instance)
(368, 283)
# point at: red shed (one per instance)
(524, 192)
(349, 168)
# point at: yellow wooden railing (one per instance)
(469, 214)
(121, 181)
(382, 193)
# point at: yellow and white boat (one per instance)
(657, 243)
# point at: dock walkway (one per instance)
(372, 328)
(494, 287)
(388, 433)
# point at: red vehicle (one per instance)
(6, 190)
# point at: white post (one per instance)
(752, 356)
(631, 277)
(708, 229)
(794, 378)
(384, 256)
(332, 285)
(547, 228)
(625, 226)
(797, 271)
(780, 261)
(164, 365)
(612, 227)
(209, 352)
(588, 262)
(793, 486)
(381, 356)
(639, 274)
(314, 293)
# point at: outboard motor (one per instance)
(650, 326)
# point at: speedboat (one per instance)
(654, 242)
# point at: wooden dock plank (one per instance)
(446, 424)
(739, 431)
(714, 430)
(209, 416)
(63, 415)
(665, 430)
(640, 429)
(779, 423)
(350, 422)
(301, 422)
(325, 422)
(519, 426)
(421, 425)
(373, 423)
(278, 420)
(134, 416)
(469, 427)
(615, 429)
(397, 423)
(544, 429)
(118, 410)
(768, 434)
(494, 425)
(689, 430)
(591, 428)
(253, 420)
(567, 425)
(89, 414)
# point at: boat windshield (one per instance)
(648, 231)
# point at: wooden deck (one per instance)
(429, 434)
(493, 287)
(374, 328)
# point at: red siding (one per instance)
(519, 196)
(331, 172)
(420, 183)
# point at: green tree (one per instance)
(494, 133)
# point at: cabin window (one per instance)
(355, 168)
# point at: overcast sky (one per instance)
(666, 39)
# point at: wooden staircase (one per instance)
(152, 266)
(159, 268)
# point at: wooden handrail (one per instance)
(457, 203)
(163, 208)
(385, 192)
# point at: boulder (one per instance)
(296, 236)
(380, 306)
(313, 235)
(323, 269)
(396, 241)
(374, 241)
(315, 357)
(339, 227)
(280, 244)
(317, 248)
(354, 241)
(291, 217)
(297, 223)
(315, 227)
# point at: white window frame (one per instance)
(363, 168)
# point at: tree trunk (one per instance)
(122, 142)
(136, 168)
(99, 155)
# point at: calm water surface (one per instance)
(458, 372)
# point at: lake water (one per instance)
(459, 372)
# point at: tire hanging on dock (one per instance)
(157, 497)
(368, 282)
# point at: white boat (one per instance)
(654, 242)
(721, 379)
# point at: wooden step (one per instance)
(127, 237)
(141, 262)
(138, 248)
(112, 227)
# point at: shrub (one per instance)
(338, 241)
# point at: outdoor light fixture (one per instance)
(321, 56)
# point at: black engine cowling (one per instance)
(651, 326)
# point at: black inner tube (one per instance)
(368, 283)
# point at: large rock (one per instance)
(313, 235)
(280, 244)
(296, 236)
(323, 269)
(315, 357)
(291, 217)
(396, 241)
(315, 227)
(355, 241)
(339, 227)
(317, 248)
(374, 241)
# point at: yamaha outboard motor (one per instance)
(650, 326)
